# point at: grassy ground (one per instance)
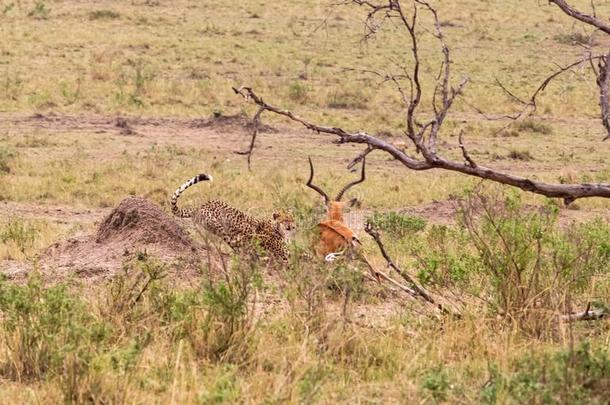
(181, 58)
(296, 335)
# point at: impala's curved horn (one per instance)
(313, 186)
(353, 183)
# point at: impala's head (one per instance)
(334, 207)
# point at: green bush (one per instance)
(436, 382)
(530, 264)
(445, 257)
(21, 232)
(6, 156)
(345, 99)
(104, 15)
(51, 333)
(534, 126)
(297, 92)
(45, 328)
(574, 376)
(40, 11)
(396, 224)
(215, 318)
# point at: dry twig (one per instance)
(587, 315)
(417, 290)
(256, 120)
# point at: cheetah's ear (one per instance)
(276, 215)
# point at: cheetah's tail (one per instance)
(188, 212)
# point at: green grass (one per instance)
(146, 68)
(139, 336)
(22, 239)
(397, 225)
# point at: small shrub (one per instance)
(309, 385)
(104, 15)
(436, 382)
(227, 323)
(348, 100)
(396, 224)
(70, 94)
(143, 74)
(6, 156)
(40, 11)
(532, 266)
(534, 126)
(307, 292)
(128, 288)
(346, 279)
(573, 38)
(8, 8)
(225, 388)
(443, 257)
(523, 155)
(574, 376)
(19, 233)
(12, 86)
(297, 92)
(216, 319)
(44, 330)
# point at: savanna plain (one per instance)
(104, 100)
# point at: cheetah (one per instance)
(238, 229)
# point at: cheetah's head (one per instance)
(284, 220)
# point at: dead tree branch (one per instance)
(587, 315)
(256, 120)
(603, 82)
(587, 19)
(602, 77)
(360, 157)
(532, 101)
(530, 106)
(416, 288)
(424, 136)
(565, 191)
(465, 152)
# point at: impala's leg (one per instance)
(331, 257)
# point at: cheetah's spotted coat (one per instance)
(238, 229)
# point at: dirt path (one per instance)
(226, 133)
(56, 213)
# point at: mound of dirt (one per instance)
(136, 227)
(138, 221)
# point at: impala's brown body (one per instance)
(335, 235)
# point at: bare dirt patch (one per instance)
(436, 212)
(447, 212)
(236, 121)
(135, 228)
(56, 213)
(220, 133)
